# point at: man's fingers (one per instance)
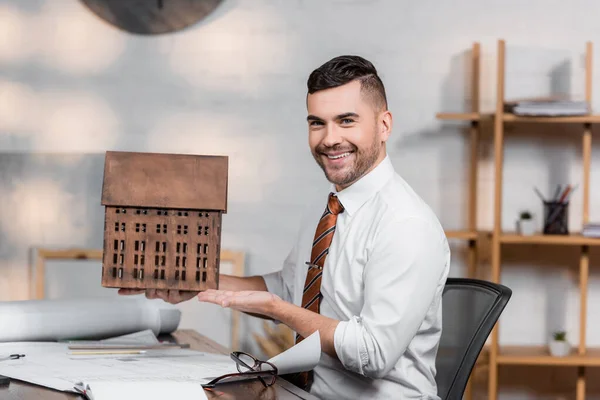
(177, 296)
(209, 296)
(173, 296)
(224, 299)
(228, 301)
(128, 292)
(163, 294)
(185, 296)
(216, 296)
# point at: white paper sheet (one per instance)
(50, 364)
(157, 390)
(144, 338)
(302, 357)
(42, 320)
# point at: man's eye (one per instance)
(347, 121)
(315, 123)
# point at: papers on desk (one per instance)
(133, 339)
(52, 366)
(153, 374)
(147, 390)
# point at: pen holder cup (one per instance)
(556, 218)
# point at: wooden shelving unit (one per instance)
(470, 234)
(494, 354)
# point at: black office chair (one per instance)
(470, 309)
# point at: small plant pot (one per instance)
(560, 348)
(526, 227)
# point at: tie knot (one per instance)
(334, 204)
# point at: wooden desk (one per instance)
(282, 390)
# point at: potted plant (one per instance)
(526, 224)
(559, 346)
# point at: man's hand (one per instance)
(170, 296)
(226, 282)
(248, 301)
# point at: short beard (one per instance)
(363, 161)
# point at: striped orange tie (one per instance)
(311, 298)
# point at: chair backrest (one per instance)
(470, 309)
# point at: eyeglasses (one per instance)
(249, 367)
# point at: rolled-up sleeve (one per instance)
(405, 265)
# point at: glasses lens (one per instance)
(266, 367)
(245, 362)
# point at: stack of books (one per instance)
(591, 230)
(549, 107)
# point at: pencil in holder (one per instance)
(556, 218)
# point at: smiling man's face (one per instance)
(347, 132)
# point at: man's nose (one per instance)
(332, 136)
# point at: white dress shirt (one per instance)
(383, 279)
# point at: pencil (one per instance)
(565, 193)
(539, 194)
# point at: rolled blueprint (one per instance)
(87, 318)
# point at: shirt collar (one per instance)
(357, 194)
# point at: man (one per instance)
(377, 253)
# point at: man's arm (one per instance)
(404, 272)
(299, 319)
(239, 283)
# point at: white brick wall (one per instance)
(235, 84)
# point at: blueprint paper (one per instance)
(116, 377)
(51, 365)
(63, 319)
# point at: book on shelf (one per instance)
(551, 106)
(591, 230)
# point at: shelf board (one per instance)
(590, 118)
(539, 355)
(467, 235)
(74, 253)
(459, 116)
(573, 239)
(508, 117)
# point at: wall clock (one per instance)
(151, 17)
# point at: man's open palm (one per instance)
(255, 302)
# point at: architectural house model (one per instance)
(162, 227)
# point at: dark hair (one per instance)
(344, 69)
